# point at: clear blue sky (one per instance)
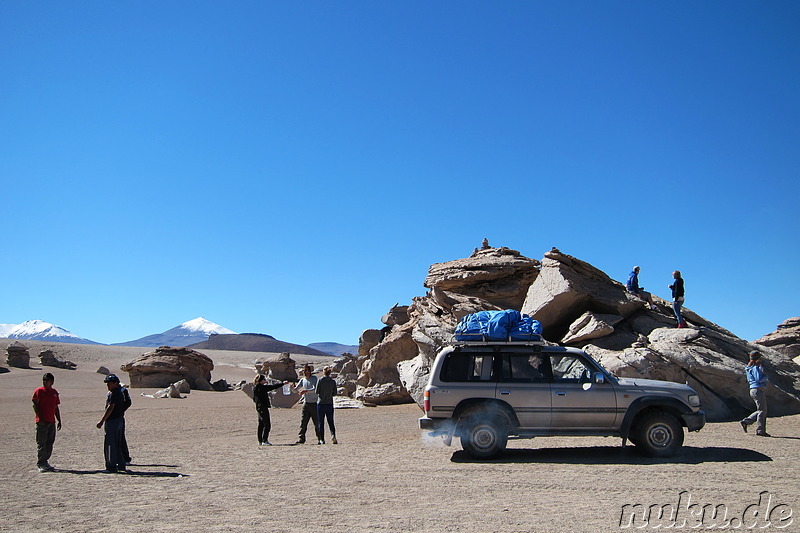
(294, 168)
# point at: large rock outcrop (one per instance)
(579, 305)
(17, 355)
(166, 365)
(785, 339)
(491, 278)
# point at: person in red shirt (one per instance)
(48, 420)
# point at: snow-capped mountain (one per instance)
(39, 330)
(190, 332)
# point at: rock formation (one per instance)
(785, 339)
(492, 278)
(17, 355)
(49, 358)
(577, 305)
(166, 365)
(281, 368)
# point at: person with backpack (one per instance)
(677, 298)
(114, 420)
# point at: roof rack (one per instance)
(529, 340)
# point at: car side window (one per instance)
(467, 367)
(569, 369)
(525, 368)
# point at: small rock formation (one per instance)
(281, 368)
(17, 355)
(169, 392)
(220, 385)
(165, 365)
(785, 339)
(49, 358)
(103, 370)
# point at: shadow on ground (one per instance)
(128, 473)
(608, 455)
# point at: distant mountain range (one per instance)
(253, 342)
(39, 330)
(197, 333)
(190, 332)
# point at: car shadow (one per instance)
(608, 455)
(128, 473)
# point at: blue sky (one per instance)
(294, 168)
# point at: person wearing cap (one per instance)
(757, 379)
(114, 420)
(48, 420)
(639, 292)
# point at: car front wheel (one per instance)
(658, 434)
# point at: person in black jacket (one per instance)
(326, 390)
(261, 398)
(677, 298)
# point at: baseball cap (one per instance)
(111, 378)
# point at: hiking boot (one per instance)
(300, 442)
(321, 441)
(333, 440)
(744, 426)
(266, 443)
(43, 468)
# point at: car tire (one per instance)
(484, 434)
(658, 434)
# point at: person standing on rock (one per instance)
(114, 420)
(48, 420)
(677, 298)
(639, 292)
(326, 389)
(307, 389)
(261, 397)
(757, 379)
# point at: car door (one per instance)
(578, 402)
(524, 385)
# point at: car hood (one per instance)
(641, 383)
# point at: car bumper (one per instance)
(694, 421)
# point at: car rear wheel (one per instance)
(658, 434)
(484, 434)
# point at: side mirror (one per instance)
(599, 377)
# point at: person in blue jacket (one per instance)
(757, 379)
(634, 288)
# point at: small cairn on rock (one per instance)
(17, 355)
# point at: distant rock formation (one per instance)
(17, 355)
(785, 339)
(49, 358)
(166, 365)
(578, 305)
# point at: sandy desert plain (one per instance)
(197, 467)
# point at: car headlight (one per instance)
(694, 400)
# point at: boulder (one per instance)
(220, 385)
(591, 326)
(166, 365)
(382, 394)
(346, 364)
(17, 355)
(103, 370)
(396, 316)
(281, 368)
(785, 339)
(183, 386)
(169, 392)
(49, 358)
(284, 401)
(369, 339)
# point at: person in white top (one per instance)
(306, 387)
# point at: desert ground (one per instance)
(197, 467)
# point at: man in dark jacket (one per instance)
(677, 298)
(326, 390)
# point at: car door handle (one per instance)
(561, 393)
(505, 392)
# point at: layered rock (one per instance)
(280, 368)
(785, 339)
(17, 355)
(579, 305)
(49, 358)
(166, 365)
(492, 278)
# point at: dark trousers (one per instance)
(325, 410)
(309, 413)
(126, 454)
(45, 437)
(264, 424)
(112, 445)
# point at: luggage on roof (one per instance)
(506, 325)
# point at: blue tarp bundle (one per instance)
(498, 326)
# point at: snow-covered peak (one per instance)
(39, 328)
(201, 325)
(5, 329)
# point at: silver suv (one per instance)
(484, 392)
